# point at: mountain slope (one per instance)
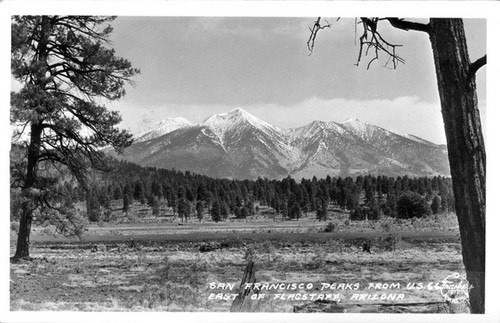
(161, 128)
(238, 145)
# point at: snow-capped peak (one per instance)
(236, 144)
(355, 125)
(352, 120)
(234, 115)
(222, 122)
(163, 127)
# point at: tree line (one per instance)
(366, 197)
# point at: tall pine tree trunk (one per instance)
(466, 153)
(40, 81)
(23, 236)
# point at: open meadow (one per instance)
(301, 266)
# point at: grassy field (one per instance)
(159, 266)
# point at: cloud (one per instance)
(402, 115)
(263, 28)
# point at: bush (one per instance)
(389, 241)
(268, 248)
(132, 218)
(357, 214)
(317, 262)
(164, 271)
(330, 227)
(233, 241)
(412, 205)
(390, 235)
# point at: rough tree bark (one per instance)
(23, 238)
(466, 152)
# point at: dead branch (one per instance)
(372, 40)
(474, 67)
(314, 32)
(408, 25)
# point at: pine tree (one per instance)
(436, 205)
(184, 208)
(126, 203)
(224, 210)
(199, 210)
(139, 192)
(284, 209)
(295, 210)
(65, 67)
(391, 202)
(244, 212)
(215, 211)
(276, 204)
(156, 189)
(104, 199)
(444, 203)
(357, 214)
(155, 206)
(321, 212)
(373, 209)
(249, 206)
(117, 192)
(93, 205)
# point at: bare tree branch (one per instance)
(408, 25)
(314, 32)
(475, 66)
(372, 39)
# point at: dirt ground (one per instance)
(305, 269)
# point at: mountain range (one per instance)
(238, 145)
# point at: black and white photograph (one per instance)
(314, 164)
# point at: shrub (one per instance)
(389, 241)
(412, 205)
(268, 248)
(163, 272)
(233, 241)
(390, 236)
(357, 214)
(318, 261)
(132, 218)
(330, 227)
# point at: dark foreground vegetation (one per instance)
(187, 195)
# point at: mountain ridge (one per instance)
(236, 144)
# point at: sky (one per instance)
(194, 67)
